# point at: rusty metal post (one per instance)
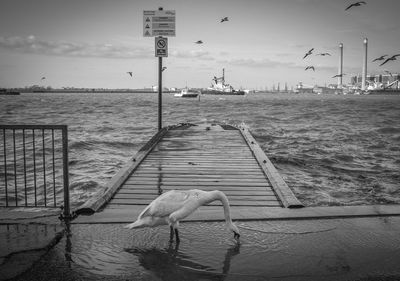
(65, 171)
(159, 93)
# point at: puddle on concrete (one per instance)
(351, 249)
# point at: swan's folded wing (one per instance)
(166, 204)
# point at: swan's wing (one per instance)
(166, 204)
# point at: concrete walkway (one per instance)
(26, 234)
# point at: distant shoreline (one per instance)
(95, 91)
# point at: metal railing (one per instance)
(34, 166)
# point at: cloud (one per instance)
(197, 54)
(32, 45)
(267, 63)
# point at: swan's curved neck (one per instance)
(218, 195)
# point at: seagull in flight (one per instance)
(394, 57)
(388, 72)
(323, 54)
(310, 67)
(338, 75)
(224, 19)
(130, 73)
(308, 53)
(380, 58)
(355, 4)
(199, 42)
(164, 68)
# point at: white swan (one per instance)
(175, 205)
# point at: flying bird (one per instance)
(323, 54)
(308, 53)
(355, 4)
(380, 58)
(338, 75)
(130, 73)
(163, 68)
(224, 19)
(388, 72)
(175, 205)
(394, 57)
(310, 67)
(199, 42)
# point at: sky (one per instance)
(94, 43)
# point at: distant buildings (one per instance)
(389, 80)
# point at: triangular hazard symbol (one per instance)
(147, 26)
(147, 33)
(148, 19)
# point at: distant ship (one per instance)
(220, 88)
(8, 92)
(187, 93)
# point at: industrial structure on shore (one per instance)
(364, 83)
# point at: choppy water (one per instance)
(331, 149)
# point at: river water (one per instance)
(330, 149)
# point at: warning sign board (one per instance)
(158, 23)
(161, 46)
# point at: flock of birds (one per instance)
(384, 58)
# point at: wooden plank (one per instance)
(205, 187)
(160, 173)
(215, 203)
(193, 183)
(221, 169)
(153, 180)
(199, 153)
(204, 166)
(215, 157)
(196, 160)
(230, 192)
(231, 197)
(193, 176)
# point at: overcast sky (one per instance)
(94, 43)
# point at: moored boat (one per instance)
(187, 93)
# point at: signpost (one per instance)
(161, 46)
(159, 23)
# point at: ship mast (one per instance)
(223, 76)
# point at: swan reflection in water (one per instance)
(170, 264)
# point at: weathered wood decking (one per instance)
(207, 157)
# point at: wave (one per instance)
(389, 130)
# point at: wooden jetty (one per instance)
(188, 156)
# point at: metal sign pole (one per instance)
(159, 23)
(159, 93)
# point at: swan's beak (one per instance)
(236, 235)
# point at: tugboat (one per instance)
(220, 88)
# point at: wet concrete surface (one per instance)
(26, 234)
(329, 249)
